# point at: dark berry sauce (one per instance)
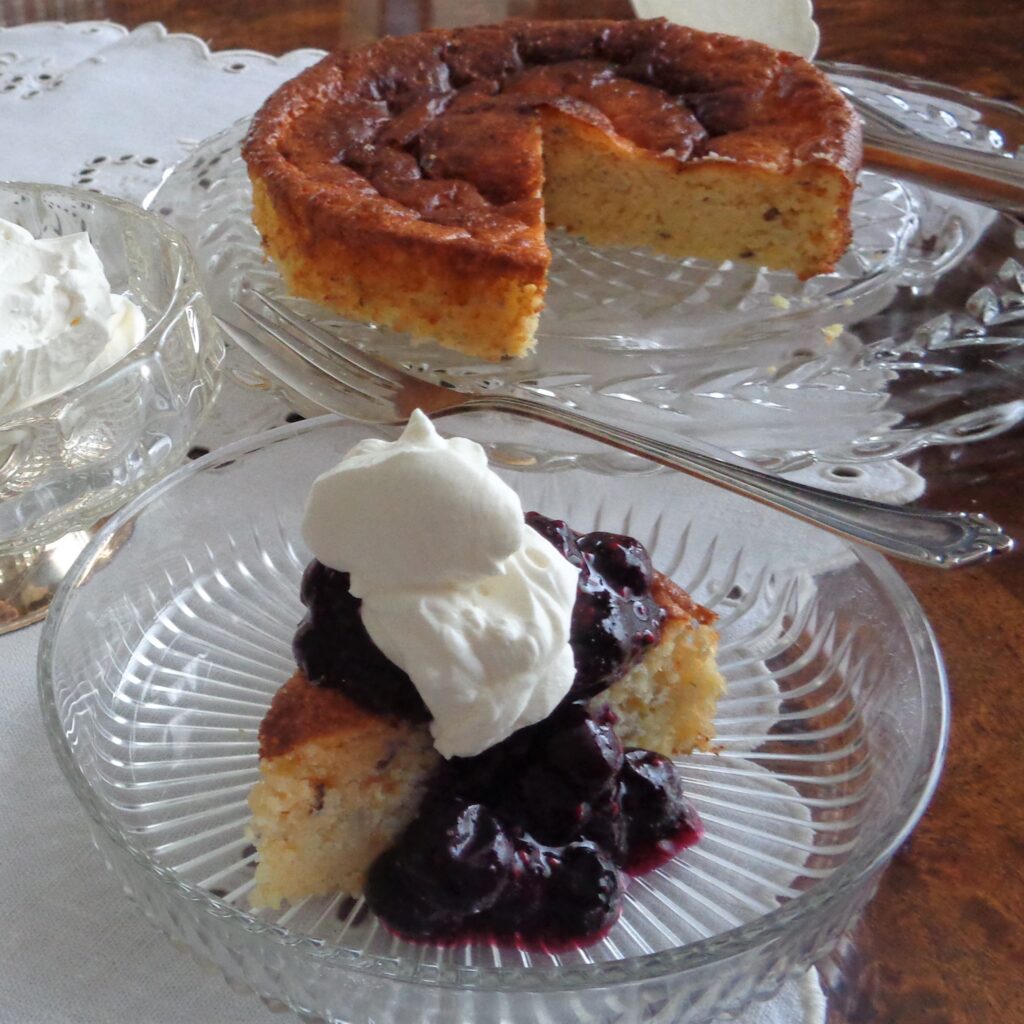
(614, 620)
(529, 841)
(333, 648)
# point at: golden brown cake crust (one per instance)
(429, 136)
(677, 602)
(301, 712)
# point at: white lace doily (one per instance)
(95, 106)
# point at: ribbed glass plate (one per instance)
(170, 638)
(910, 342)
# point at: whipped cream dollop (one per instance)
(60, 324)
(456, 590)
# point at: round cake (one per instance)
(409, 183)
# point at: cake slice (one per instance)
(338, 784)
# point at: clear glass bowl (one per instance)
(69, 460)
(172, 632)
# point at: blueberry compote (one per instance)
(615, 616)
(332, 648)
(529, 840)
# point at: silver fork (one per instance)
(347, 380)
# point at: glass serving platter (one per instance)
(172, 633)
(914, 340)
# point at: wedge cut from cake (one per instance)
(409, 183)
(338, 783)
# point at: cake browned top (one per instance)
(302, 711)
(437, 134)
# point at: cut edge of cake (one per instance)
(614, 193)
(667, 701)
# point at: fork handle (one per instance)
(983, 178)
(942, 539)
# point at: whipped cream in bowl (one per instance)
(109, 358)
(60, 322)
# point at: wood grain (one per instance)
(943, 943)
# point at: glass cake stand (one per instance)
(914, 340)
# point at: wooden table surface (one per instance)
(944, 939)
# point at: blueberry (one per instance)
(522, 906)
(585, 753)
(559, 534)
(622, 562)
(458, 853)
(583, 894)
(600, 649)
(546, 805)
(403, 904)
(652, 800)
(607, 826)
